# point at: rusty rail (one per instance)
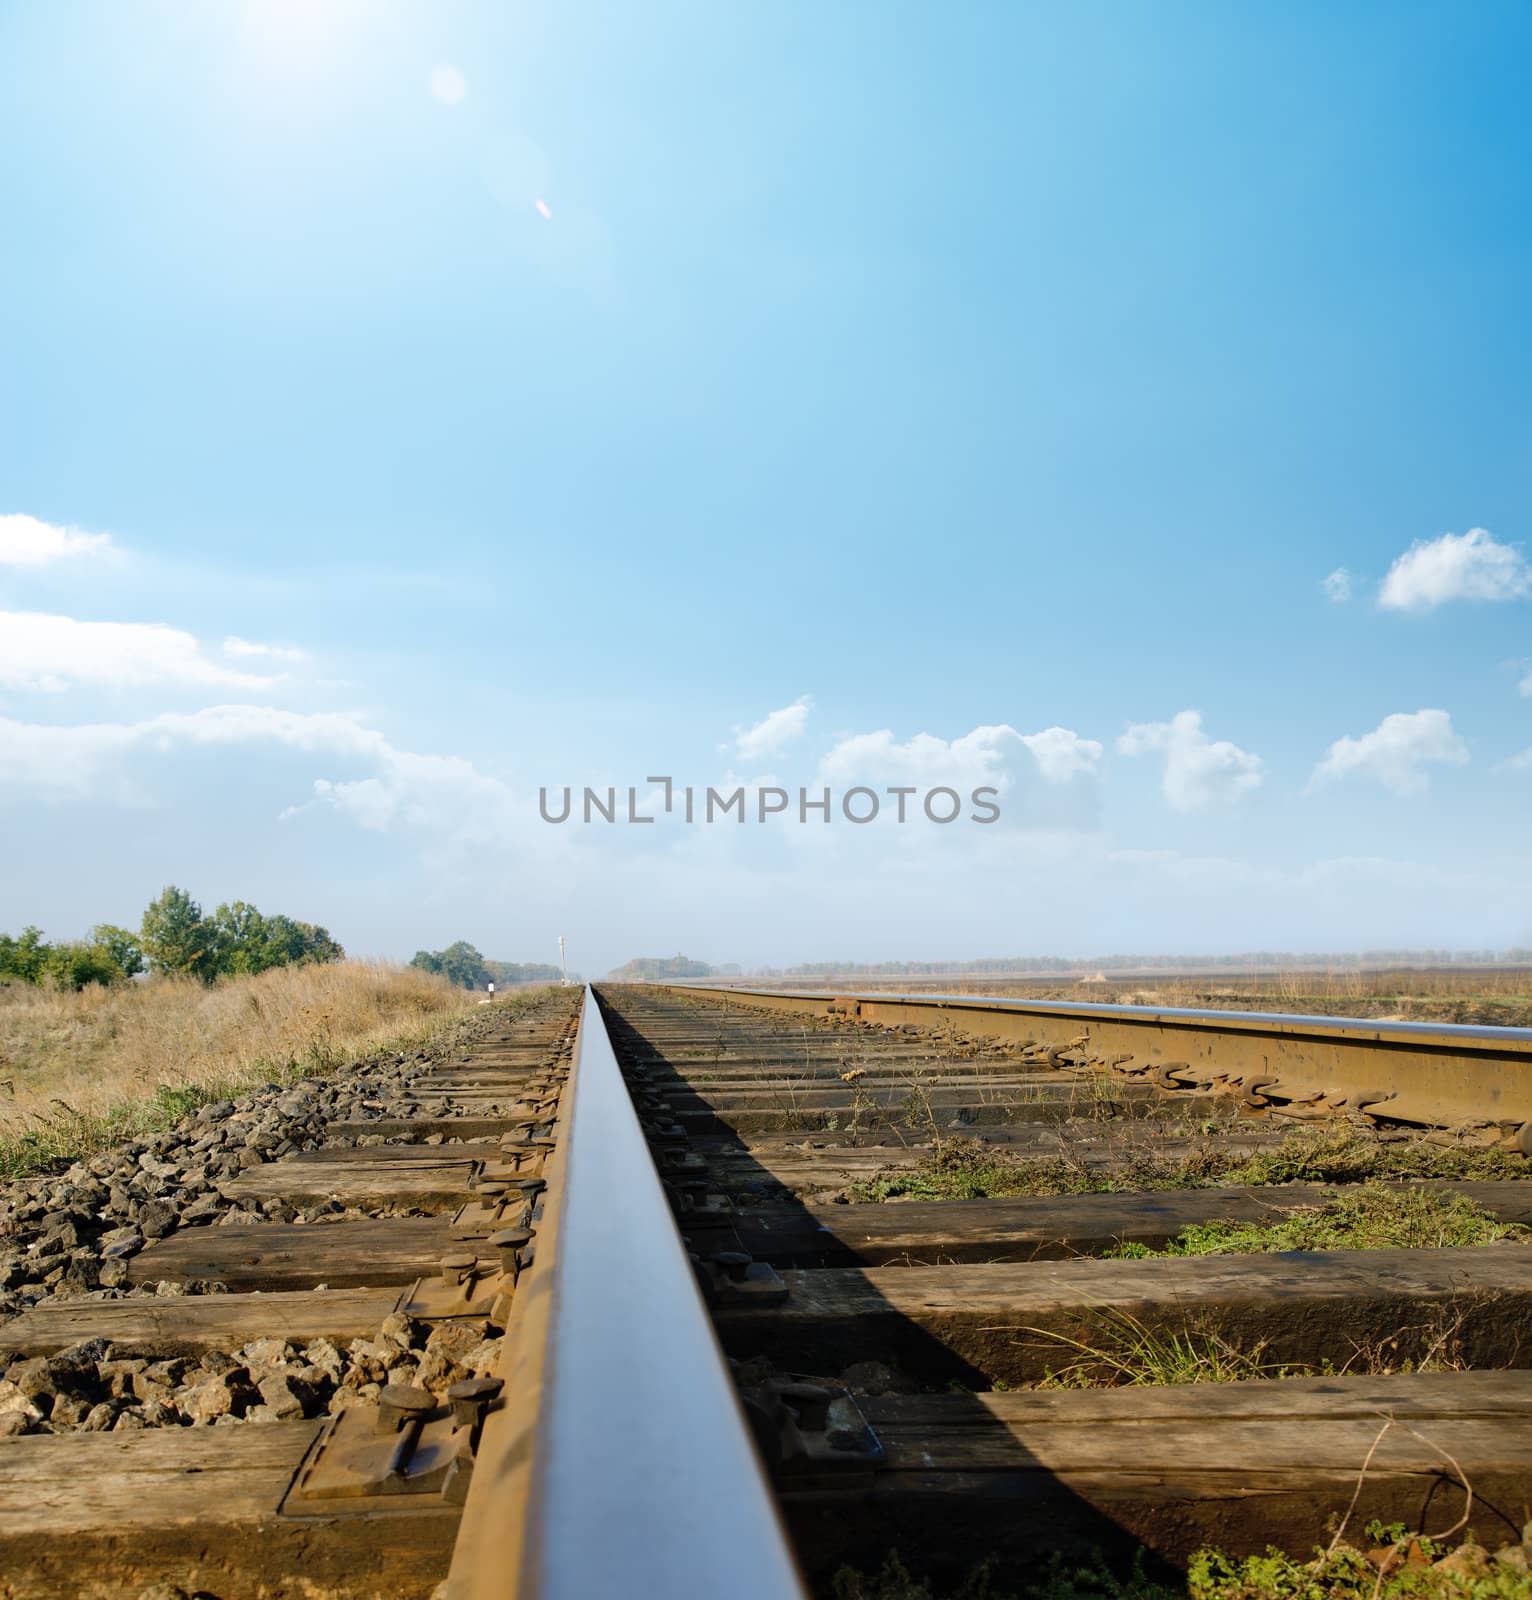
(1440, 1075)
(621, 1462)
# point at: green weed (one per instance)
(1060, 1580)
(1338, 1154)
(969, 1170)
(1374, 1217)
(1345, 1573)
(1123, 1352)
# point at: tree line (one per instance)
(645, 969)
(174, 937)
(463, 965)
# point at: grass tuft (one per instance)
(1402, 1566)
(1121, 1351)
(1345, 1573)
(1124, 1352)
(1060, 1580)
(1373, 1217)
(970, 1170)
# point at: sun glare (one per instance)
(448, 84)
(296, 32)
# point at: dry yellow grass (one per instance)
(80, 1070)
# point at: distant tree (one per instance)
(285, 942)
(121, 946)
(507, 972)
(459, 963)
(463, 965)
(73, 965)
(25, 957)
(676, 966)
(177, 939)
(236, 939)
(239, 934)
(250, 942)
(109, 956)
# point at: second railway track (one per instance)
(604, 1303)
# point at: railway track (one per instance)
(602, 1301)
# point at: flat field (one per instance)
(1498, 997)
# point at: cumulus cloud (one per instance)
(245, 649)
(39, 651)
(773, 732)
(977, 757)
(403, 788)
(1337, 586)
(1457, 566)
(982, 757)
(1061, 754)
(70, 758)
(27, 542)
(1199, 772)
(438, 793)
(1395, 753)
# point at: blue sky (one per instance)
(550, 394)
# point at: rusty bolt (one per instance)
(471, 1399)
(400, 1403)
(510, 1242)
(735, 1264)
(811, 1402)
(705, 1283)
(456, 1266)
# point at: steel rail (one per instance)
(621, 1462)
(1428, 1074)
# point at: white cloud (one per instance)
(1525, 686)
(445, 794)
(27, 542)
(1457, 566)
(39, 651)
(981, 757)
(774, 731)
(1395, 752)
(402, 789)
(1337, 586)
(245, 649)
(448, 84)
(70, 758)
(1061, 754)
(977, 757)
(1199, 772)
